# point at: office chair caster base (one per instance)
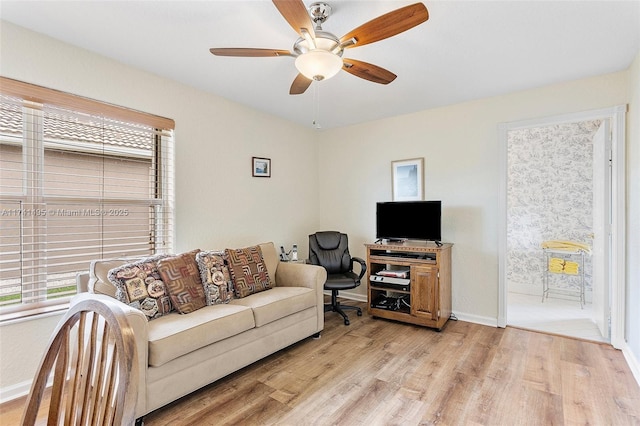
(338, 308)
(355, 308)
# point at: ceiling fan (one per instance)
(318, 53)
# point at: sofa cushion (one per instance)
(139, 285)
(248, 271)
(99, 274)
(277, 303)
(271, 260)
(175, 335)
(216, 280)
(181, 276)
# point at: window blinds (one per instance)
(74, 187)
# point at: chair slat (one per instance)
(109, 412)
(59, 378)
(88, 370)
(97, 388)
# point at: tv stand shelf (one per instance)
(428, 300)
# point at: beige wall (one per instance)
(462, 168)
(21, 347)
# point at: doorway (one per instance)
(561, 183)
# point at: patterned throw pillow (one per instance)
(139, 285)
(182, 278)
(248, 271)
(218, 287)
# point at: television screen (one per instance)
(410, 220)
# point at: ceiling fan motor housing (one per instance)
(324, 41)
(319, 12)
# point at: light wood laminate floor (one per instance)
(378, 372)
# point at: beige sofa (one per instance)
(181, 353)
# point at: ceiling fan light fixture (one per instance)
(318, 64)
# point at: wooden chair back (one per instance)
(91, 358)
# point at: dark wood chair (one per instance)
(92, 358)
(330, 249)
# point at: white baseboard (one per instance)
(350, 295)
(477, 319)
(12, 392)
(632, 362)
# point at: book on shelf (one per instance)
(395, 273)
(389, 280)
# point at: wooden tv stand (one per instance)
(427, 301)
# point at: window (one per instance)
(76, 185)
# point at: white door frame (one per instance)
(617, 116)
(601, 232)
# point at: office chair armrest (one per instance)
(363, 266)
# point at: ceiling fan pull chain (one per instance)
(316, 104)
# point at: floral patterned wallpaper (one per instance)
(549, 197)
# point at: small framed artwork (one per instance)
(407, 179)
(261, 167)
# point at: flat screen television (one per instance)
(409, 220)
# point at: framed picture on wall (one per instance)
(261, 167)
(407, 179)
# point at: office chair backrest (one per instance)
(91, 357)
(330, 249)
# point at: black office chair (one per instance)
(330, 249)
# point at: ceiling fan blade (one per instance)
(368, 71)
(248, 52)
(299, 85)
(296, 14)
(387, 25)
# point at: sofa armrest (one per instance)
(82, 282)
(138, 322)
(289, 274)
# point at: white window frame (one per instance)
(33, 153)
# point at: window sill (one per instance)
(33, 314)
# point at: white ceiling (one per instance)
(466, 50)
